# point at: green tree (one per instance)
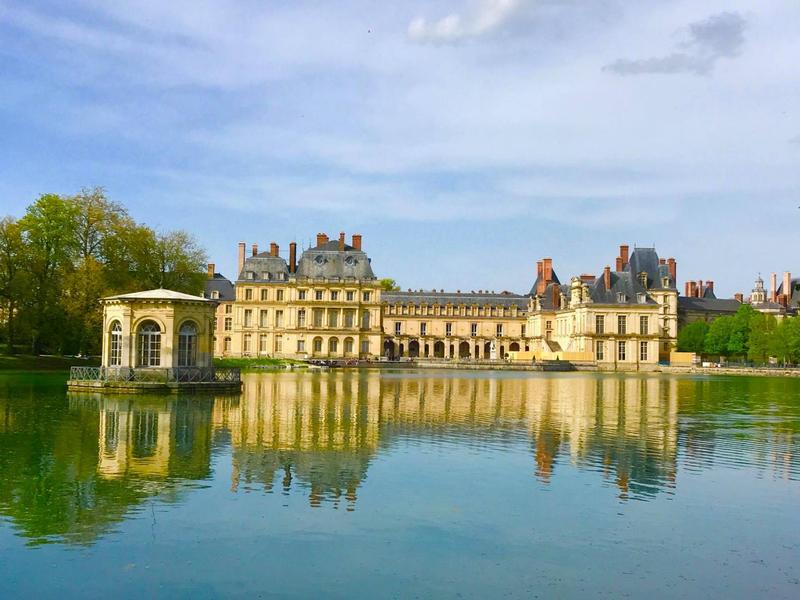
(718, 336)
(389, 285)
(760, 341)
(14, 280)
(692, 337)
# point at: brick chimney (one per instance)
(773, 284)
(739, 297)
(292, 257)
(673, 269)
(539, 268)
(242, 247)
(211, 270)
(687, 289)
(607, 277)
(356, 241)
(341, 241)
(620, 266)
(255, 249)
(556, 297)
(321, 239)
(699, 291)
(787, 287)
(624, 255)
(548, 269)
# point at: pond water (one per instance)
(370, 484)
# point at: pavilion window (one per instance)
(264, 318)
(621, 351)
(115, 351)
(365, 320)
(279, 295)
(333, 318)
(643, 351)
(423, 329)
(264, 295)
(398, 327)
(448, 329)
(278, 318)
(499, 330)
(599, 351)
(301, 318)
(473, 330)
(248, 293)
(228, 323)
(600, 324)
(187, 345)
(248, 317)
(149, 338)
(622, 324)
(644, 325)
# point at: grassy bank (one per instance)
(253, 363)
(27, 362)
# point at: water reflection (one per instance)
(70, 471)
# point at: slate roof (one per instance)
(645, 260)
(326, 261)
(264, 267)
(536, 283)
(157, 294)
(795, 287)
(222, 285)
(708, 305)
(455, 298)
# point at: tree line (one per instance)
(748, 334)
(67, 252)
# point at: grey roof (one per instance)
(645, 260)
(264, 267)
(709, 293)
(795, 287)
(546, 301)
(157, 294)
(327, 261)
(708, 305)
(622, 282)
(456, 298)
(536, 283)
(222, 285)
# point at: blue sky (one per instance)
(464, 139)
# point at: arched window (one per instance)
(333, 346)
(115, 345)
(187, 345)
(149, 344)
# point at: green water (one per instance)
(404, 484)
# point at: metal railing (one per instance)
(155, 375)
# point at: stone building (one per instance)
(326, 304)
(622, 319)
(472, 325)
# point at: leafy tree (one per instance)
(761, 337)
(692, 337)
(14, 280)
(389, 285)
(718, 336)
(738, 343)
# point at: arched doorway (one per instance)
(333, 346)
(463, 350)
(514, 347)
(316, 346)
(477, 351)
(148, 344)
(413, 349)
(401, 351)
(187, 345)
(438, 350)
(502, 352)
(487, 350)
(427, 350)
(115, 345)
(349, 346)
(388, 349)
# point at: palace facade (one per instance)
(329, 304)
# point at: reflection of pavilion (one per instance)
(321, 430)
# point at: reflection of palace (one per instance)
(322, 429)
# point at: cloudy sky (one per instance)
(463, 138)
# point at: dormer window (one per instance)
(641, 298)
(266, 275)
(319, 259)
(350, 261)
(643, 279)
(621, 297)
(665, 282)
(250, 275)
(215, 295)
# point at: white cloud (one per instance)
(488, 16)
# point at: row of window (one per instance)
(622, 324)
(448, 329)
(148, 345)
(622, 351)
(348, 318)
(318, 295)
(453, 311)
(348, 345)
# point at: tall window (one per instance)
(149, 345)
(473, 329)
(318, 316)
(226, 345)
(499, 330)
(301, 294)
(228, 309)
(278, 318)
(115, 351)
(333, 318)
(247, 343)
(620, 351)
(301, 345)
(262, 343)
(365, 320)
(317, 344)
(448, 329)
(263, 318)
(349, 318)
(398, 326)
(364, 346)
(366, 296)
(423, 329)
(348, 345)
(264, 294)
(334, 295)
(248, 293)
(187, 345)
(643, 351)
(599, 353)
(350, 296)
(228, 323)
(279, 295)
(248, 317)
(523, 330)
(600, 324)
(644, 325)
(622, 324)
(278, 343)
(301, 318)
(318, 295)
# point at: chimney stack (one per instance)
(211, 270)
(620, 266)
(773, 284)
(739, 297)
(787, 287)
(242, 247)
(556, 297)
(673, 270)
(623, 254)
(255, 249)
(341, 241)
(687, 289)
(700, 288)
(321, 239)
(539, 268)
(293, 257)
(357, 241)
(548, 269)
(607, 277)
